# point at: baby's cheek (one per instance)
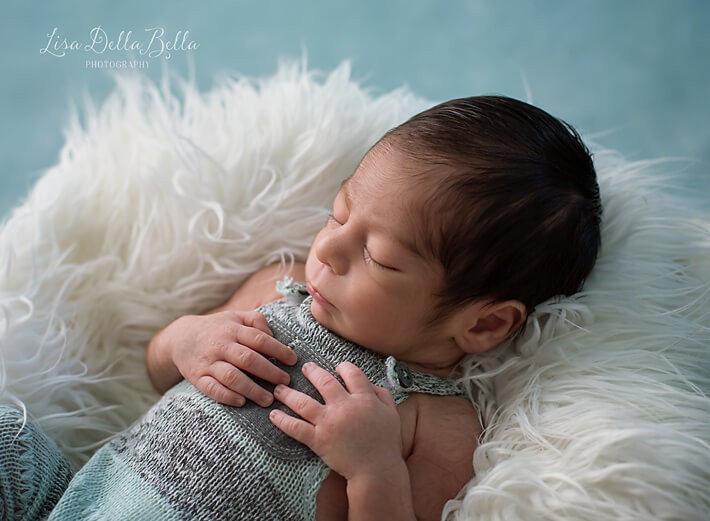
(310, 259)
(375, 323)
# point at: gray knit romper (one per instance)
(192, 458)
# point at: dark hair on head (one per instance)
(513, 196)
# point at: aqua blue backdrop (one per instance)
(633, 73)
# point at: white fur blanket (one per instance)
(164, 199)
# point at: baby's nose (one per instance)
(330, 250)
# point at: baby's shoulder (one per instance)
(441, 423)
(444, 415)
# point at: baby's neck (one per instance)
(451, 371)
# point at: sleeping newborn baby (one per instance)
(454, 226)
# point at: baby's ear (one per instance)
(485, 324)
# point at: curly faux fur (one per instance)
(164, 199)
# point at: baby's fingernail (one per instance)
(266, 400)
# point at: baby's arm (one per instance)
(214, 351)
(441, 459)
(357, 434)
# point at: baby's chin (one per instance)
(326, 318)
(323, 316)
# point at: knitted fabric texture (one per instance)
(33, 472)
(193, 458)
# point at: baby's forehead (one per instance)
(408, 200)
(397, 187)
(398, 170)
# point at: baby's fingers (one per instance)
(295, 428)
(384, 395)
(324, 382)
(244, 358)
(355, 380)
(211, 387)
(235, 381)
(300, 403)
(258, 337)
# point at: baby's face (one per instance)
(369, 281)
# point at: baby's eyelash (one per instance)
(332, 219)
(368, 259)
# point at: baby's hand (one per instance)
(356, 432)
(221, 352)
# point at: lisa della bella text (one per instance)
(155, 45)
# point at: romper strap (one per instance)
(294, 291)
(401, 380)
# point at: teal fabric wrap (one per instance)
(192, 458)
(33, 472)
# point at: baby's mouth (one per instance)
(317, 296)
